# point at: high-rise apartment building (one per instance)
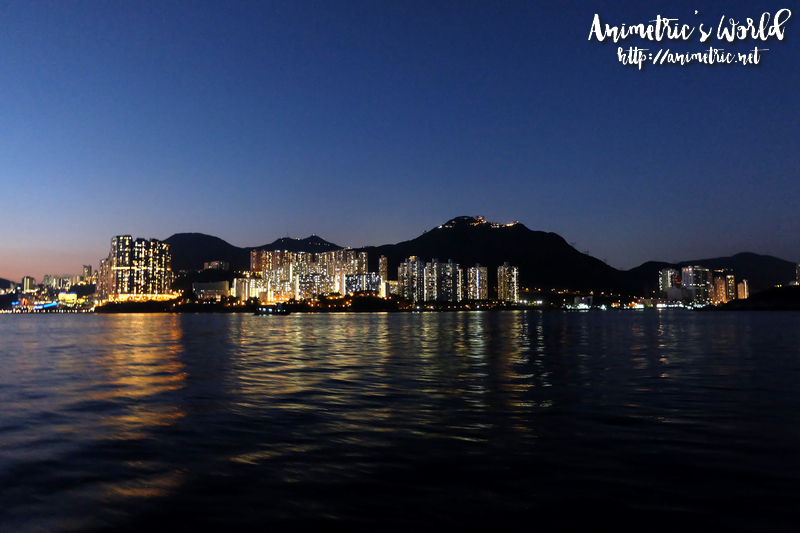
(305, 275)
(730, 287)
(697, 280)
(508, 283)
(743, 290)
(369, 282)
(449, 287)
(28, 284)
(719, 294)
(433, 281)
(667, 279)
(136, 270)
(477, 283)
(383, 268)
(411, 279)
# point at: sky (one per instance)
(368, 122)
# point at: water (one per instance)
(646, 421)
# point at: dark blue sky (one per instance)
(368, 122)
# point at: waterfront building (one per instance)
(719, 294)
(369, 282)
(102, 277)
(508, 283)
(136, 270)
(411, 279)
(667, 279)
(214, 290)
(730, 287)
(28, 284)
(246, 288)
(477, 283)
(450, 278)
(393, 288)
(432, 280)
(383, 268)
(311, 286)
(743, 290)
(305, 275)
(697, 280)
(362, 267)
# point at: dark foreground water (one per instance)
(633, 421)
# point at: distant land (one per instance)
(760, 271)
(545, 260)
(190, 251)
(772, 299)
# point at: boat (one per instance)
(278, 309)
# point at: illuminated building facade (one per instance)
(508, 283)
(477, 283)
(214, 290)
(411, 279)
(304, 275)
(28, 284)
(246, 288)
(667, 279)
(743, 291)
(719, 295)
(450, 286)
(383, 268)
(730, 287)
(697, 280)
(433, 280)
(136, 270)
(369, 282)
(217, 265)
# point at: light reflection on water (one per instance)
(112, 420)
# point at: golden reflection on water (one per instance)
(141, 363)
(141, 360)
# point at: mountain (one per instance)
(544, 259)
(4, 284)
(772, 299)
(760, 271)
(191, 250)
(313, 244)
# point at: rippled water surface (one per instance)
(636, 421)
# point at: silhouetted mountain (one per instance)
(773, 299)
(760, 271)
(191, 250)
(645, 276)
(313, 244)
(544, 259)
(5, 284)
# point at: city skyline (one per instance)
(369, 124)
(97, 264)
